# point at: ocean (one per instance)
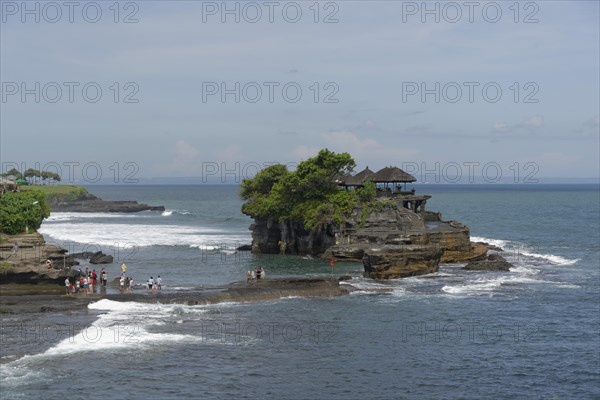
(531, 333)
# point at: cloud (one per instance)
(529, 124)
(184, 160)
(590, 127)
(537, 121)
(303, 152)
(368, 148)
(185, 152)
(230, 154)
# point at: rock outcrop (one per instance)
(401, 261)
(78, 199)
(391, 241)
(94, 258)
(272, 237)
(98, 205)
(493, 262)
(28, 263)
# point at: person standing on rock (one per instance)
(159, 282)
(262, 273)
(103, 277)
(15, 248)
(150, 283)
(68, 285)
(123, 268)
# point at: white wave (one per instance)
(124, 326)
(494, 242)
(69, 216)
(518, 276)
(168, 213)
(15, 375)
(216, 247)
(518, 250)
(553, 259)
(567, 286)
(141, 235)
(474, 288)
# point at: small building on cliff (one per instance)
(389, 182)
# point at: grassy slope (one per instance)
(59, 193)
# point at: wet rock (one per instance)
(391, 240)
(493, 262)
(394, 261)
(98, 205)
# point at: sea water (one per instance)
(532, 332)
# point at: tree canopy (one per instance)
(21, 210)
(13, 172)
(31, 174)
(308, 194)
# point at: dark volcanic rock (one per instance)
(390, 238)
(101, 258)
(94, 258)
(98, 205)
(494, 262)
(245, 247)
(401, 261)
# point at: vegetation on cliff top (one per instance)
(20, 211)
(59, 193)
(308, 194)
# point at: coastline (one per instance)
(19, 298)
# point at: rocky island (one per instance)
(322, 210)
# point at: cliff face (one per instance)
(390, 240)
(28, 263)
(272, 237)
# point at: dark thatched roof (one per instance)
(365, 175)
(393, 174)
(341, 179)
(358, 179)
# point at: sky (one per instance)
(129, 91)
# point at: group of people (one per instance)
(253, 276)
(126, 283)
(155, 284)
(86, 281)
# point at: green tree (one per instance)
(14, 172)
(308, 194)
(22, 210)
(30, 174)
(48, 175)
(367, 192)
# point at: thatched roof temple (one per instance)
(385, 175)
(384, 178)
(393, 175)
